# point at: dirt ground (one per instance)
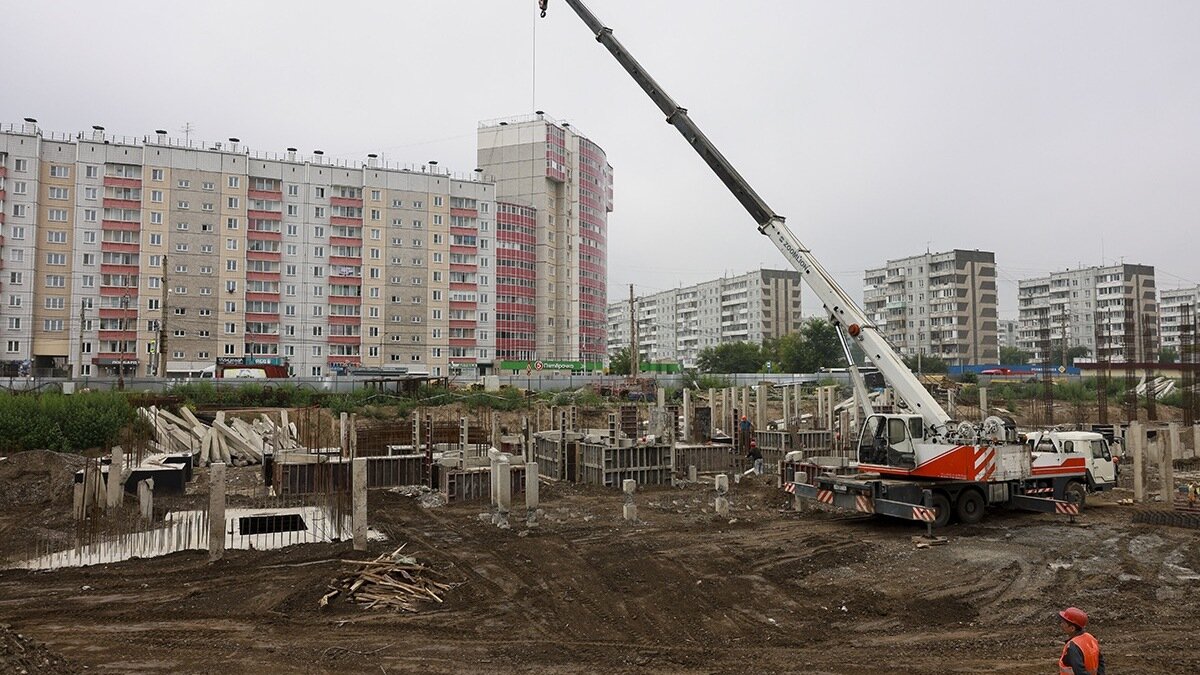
(767, 590)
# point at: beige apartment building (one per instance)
(146, 255)
(938, 304)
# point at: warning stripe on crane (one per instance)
(1066, 508)
(825, 496)
(924, 514)
(790, 488)
(1039, 490)
(863, 504)
(985, 463)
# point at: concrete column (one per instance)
(115, 470)
(531, 488)
(495, 430)
(692, 473)
(1169, 451)
(358, 519)
(629, 487)
(746, 402)
(353, 435)
(660, 395)
(1195, 441)
(983, 403)
(1136, 442)
(145, 489)
(78, 503)
(713, 412)
(787, 408)
(820, 408)
(216, 511)
(830, 404)
(462, 435)
(503, 491)
(344, 434)
(760, 407)
(687, 415)
(494, 490)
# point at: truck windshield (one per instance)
(1100, 449)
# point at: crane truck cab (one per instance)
(1092, 447)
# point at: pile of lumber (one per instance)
(391, 581)
(228, 439)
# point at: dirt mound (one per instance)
(21, 656)
(38, 477)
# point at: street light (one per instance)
(121, 358)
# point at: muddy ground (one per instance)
(767, 590)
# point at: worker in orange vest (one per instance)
(1081, 655)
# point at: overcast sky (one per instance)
(1056, 134)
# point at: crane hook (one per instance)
(542, 4)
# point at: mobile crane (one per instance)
(918, 465)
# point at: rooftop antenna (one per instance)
(187, 130)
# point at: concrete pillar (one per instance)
(760, 407)
(950, 403)
(713, 412)
(358, 519)
(353, 435)
(1169, 451)
(721, 483)
(687, 415)
(527, 438)
(660, 395)
(78, 503)
(216, 511)
(344, 434)
(495, 436)
(629, 487)
(145, 489)
(1195, 441)
(746, 403)
(692, 473)
(721, 506)
(787, 408)
(830, 404)
(983, 403)
(115, 469)
(1136, 441)
(503, 492)
(531, 489)
(462, 435)
(494, 490)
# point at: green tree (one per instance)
(619, 363)
(1012, 356)
(926, 364)
(1056, 355)
(731, 357)
(814, 347)
(1168, 355)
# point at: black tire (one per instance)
(1076, 493)
(941, 505)
(970, 507)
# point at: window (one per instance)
(182, 248)
(210, 186)
(182, 205)
(319, 192)
(156, 218)
(14, 345)
(91, 171)
(59, 193)
(235, 181)
(16, 254)
(206, 269)
(57, 215)
(183, 183)
(231, 244)
(14, 323)
(20, 165)
(89, 216)
(18, 232)
(156, 240)
(89, 259)
(231, 265)
(18, 210)
(55, 302)
(56, 236)
(231, 224)
(57, 171)
(206, 206)
(206, 248)
(55, 281)
(293, 190)
(319, 211)
(230, 328)
(293, 210)
(234, 202)
(156, 175)
(52, 325)
(156, 196)
(14, 301)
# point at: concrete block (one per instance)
(145, 490)
(630, 512)
(358, 517)
(115, 484)
(629, 486)
(692, 473)
(721, 505)
(721, 483)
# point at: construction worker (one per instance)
(1081, 655)
(756, 455)
(744, 429)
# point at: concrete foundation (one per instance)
(115, 484)
(503, 492)
(216, 511)
(721, 506)
(358, 519)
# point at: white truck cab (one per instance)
(1101, 468)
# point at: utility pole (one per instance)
(162, 324)
(124, 346)
(633, 335)
(82, 323)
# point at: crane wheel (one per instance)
(941, 504)
(970, 507)
(1076, 493)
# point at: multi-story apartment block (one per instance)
(939, 304)
(1111, 311)
(142, 256)
(676, 325)
(1179, 312)
(557, 189)
(1008, 329)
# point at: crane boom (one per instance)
(837, 303)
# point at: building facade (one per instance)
(939, 304)
(1008, 329)
(136, 256)
(1111, 311)
(557, 188)
(676, 325)
(1178, 316)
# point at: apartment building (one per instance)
(137, 256)
(1179, 314)
(557, 189)
(1111, 311)
(939, 304)
(676, 325)
(1008, 329)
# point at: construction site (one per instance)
(623, 537)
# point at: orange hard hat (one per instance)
(1074, 615)
(743, 417)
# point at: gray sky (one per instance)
(1057, 134)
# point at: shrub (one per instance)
(65, 423)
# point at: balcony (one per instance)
(265, 195)
(264, 215)
(118, 181)
(128, 225)
(346, 201)
(110, 203)
(345, 339)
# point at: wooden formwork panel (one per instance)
(464, 485)
(550, 455)
(334, 475)
(394, 471)
(610, 465)
(706, 458)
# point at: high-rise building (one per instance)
(1008, 329)
(1179, 313)
(937, 304)
(676, 325)
(136, 256)
(1111, 311)
(558, 184)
